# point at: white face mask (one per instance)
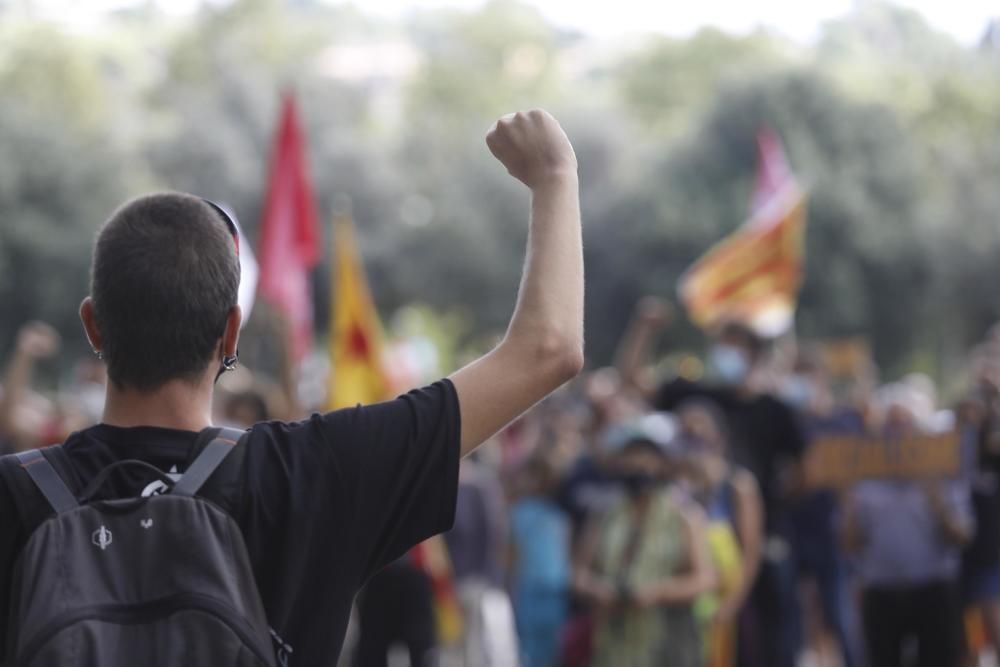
(728, 364)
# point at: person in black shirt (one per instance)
(328, 501)
(766, 439)
(979, 416)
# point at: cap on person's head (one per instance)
(165, 276)
(657, 429)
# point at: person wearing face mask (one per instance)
(645, 562)
(765, 438)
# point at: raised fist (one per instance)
(533, 147)
(37, 340)
(655, 312)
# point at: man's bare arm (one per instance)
(543, 347)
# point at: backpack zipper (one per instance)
(144, 612)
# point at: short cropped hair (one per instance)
(164, 278)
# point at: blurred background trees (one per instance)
(891, 125)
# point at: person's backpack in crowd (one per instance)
(153, 581)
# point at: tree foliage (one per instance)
(890, 124)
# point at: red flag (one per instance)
(289, 238)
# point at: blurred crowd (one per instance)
(659, 513)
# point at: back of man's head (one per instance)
(164, 278)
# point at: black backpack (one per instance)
(156, 581)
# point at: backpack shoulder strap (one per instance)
(47, 479)
(208, 461)
(28, 502)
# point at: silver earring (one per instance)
(229, 363)
(98, 354)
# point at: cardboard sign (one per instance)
(846, 357)
(841, 461)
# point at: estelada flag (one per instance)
(356, 341)
(289, 237)
(753, 276)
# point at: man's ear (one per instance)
(90, 324)
(231, 336)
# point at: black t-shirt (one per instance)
(327, 502)
(764, 435)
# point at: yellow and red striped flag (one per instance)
(754, 274)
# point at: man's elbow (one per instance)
(561, 357)
(550, 358)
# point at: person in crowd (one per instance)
(328, 501)
(540, 564)
(735, 522)
(27, 419)
(978, 418)
(477, 546)
(816, 548)
(83, 394)
(907, 536)
(645, 563)
(585, 489)
(396, 609)
(478, 541)
(766, 439)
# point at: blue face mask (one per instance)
(728, 364)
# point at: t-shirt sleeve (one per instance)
(358, 487)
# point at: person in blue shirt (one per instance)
(540, 536)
